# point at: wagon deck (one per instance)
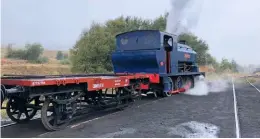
(93, 81)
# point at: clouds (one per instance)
(56, 24)
(231, 27)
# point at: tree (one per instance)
(59, 55)
(225, 65)
(33, 51)
(159, 23)
(92, 52)
(16, 54)
(234, 66)
(199, 46)
(9, 50)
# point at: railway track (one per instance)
(246, 98)
(34, 128)
(246, 109)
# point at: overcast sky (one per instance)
(231, 27)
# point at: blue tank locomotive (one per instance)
(156, 52)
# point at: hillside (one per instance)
(14, 66)
(51, 54)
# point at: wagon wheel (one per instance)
(53, 116)
(136, 93)
(2, 97)
(22, 108)
(3, 94)
(128, 98)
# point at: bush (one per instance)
(252, 80)
(32, 52)
(16, 54)
(41, 60)
(65, 62)
(59, 55)
(65, 56)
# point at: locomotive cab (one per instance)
(167, 43)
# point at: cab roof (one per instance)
(161, 32)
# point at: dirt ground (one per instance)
(35, 69)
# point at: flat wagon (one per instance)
(145, 62)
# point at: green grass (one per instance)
(245, 80)
(252, 80)
(3, 111)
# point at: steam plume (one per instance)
(183, 16)
(203, 87)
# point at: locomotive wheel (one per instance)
(179, 82)
(16, 106)
(167, 94)
(52, 116)
(189, 79)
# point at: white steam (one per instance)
(183, 16)
(200, 88)
(203, 87)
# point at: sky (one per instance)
(230, 27)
